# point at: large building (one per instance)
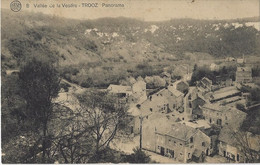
(223, 115)
(175, 140)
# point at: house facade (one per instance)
(244, 75)
(222, 115)
(175, 140)
(165, 101)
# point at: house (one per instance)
(131, 94)
(133, 115)
(120, 90)
(214, 67)
(192, 101)
(222, 115)
(175, 140)
(238, 146)
(166, 100)
(243, 75)
(204, 85)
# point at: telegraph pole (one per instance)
(141, 131)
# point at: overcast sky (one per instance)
(152, 10)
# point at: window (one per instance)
(151, 109)
(203, 144)
(237, 157)
(180, 144)
(191, 140)
(158, 147)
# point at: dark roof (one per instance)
(197, 111)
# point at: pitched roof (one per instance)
(224, 92)
(177, 130)
(175, 91)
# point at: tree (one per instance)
(103, 113)
(247, 142)
(39, 82)
(139, 156)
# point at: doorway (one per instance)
(162, 151)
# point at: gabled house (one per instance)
(175, 140)
(166, 100)
(244, 75)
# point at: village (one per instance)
(181, 123)
(198, 123)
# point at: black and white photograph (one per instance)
(130, 81)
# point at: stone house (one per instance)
(192, 101)
(165, 101)
(222, 115)
(175, 140)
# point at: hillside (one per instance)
(95, 46)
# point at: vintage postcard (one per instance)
(130, 81)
